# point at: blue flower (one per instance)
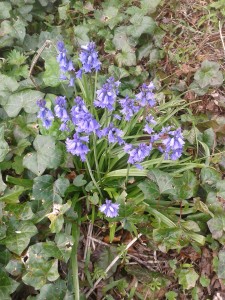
(77, 146)
(111, 210)
(137, 154)
(106, 96)
(45, 114)
(148, 127)
(172, 143)
(129, 108)
(82, 118)
(114, 134)
(146, 96)
(65, 64)
(60, 109)
(89, 58)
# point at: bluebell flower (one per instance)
(137, 154)
(148, 126)
(146, 96)
(45, 114)
(172, 143)
(83, 119)
(89, 58)
(129, 108)
(65, 64)
(106, 96)
(111, 210)
(114, 134)
(77, 146)
(60, 109)
(61, 112)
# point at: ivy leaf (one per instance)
(186, 186)
(53, 291)
(25, 99)
(40, 268)
(163, 180)
(188, 278)
(7, 87)
(209, 178)
(64, 243)
(217, 226)
(141, 25)
(18, 236)
(45, 189)
(5, 8)
(150, 5)
(80, 33)
(2, 184)
(209, 74)
(56, 217)
(20, 211)
(4, 148)
(47, 155)
(51, 76)
(221, 265)
(150, 189)
(7, 285)
(79, 181)
(126, 58)
(12, 195)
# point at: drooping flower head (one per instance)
(61, 112)
(114, 134)
(111, 210)
(172, 143)
(129, 108)
(77, 146)
(146, 95)
(65, 64)
(106, 96)
(150, 122)
(137, 154)
(89, 58)
(45, 114)
(82, 118)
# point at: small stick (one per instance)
(112, 264)
(47, 43)
(221, 36)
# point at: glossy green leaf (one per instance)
(47, 155)
(7, 286)
(7, 87)
(39, 267)
(20, 211)
(12, 195)
(221, 265)
(188, 278)
(51, 76)
(186, 186)
(53, 291)
(4, 147)
(25, 99)
(18, 236)
(163, 180)
(150, 189)
(209, 74)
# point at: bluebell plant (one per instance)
(104, 115)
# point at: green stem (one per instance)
(92, 177)
(74, 262)
(95, 157)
